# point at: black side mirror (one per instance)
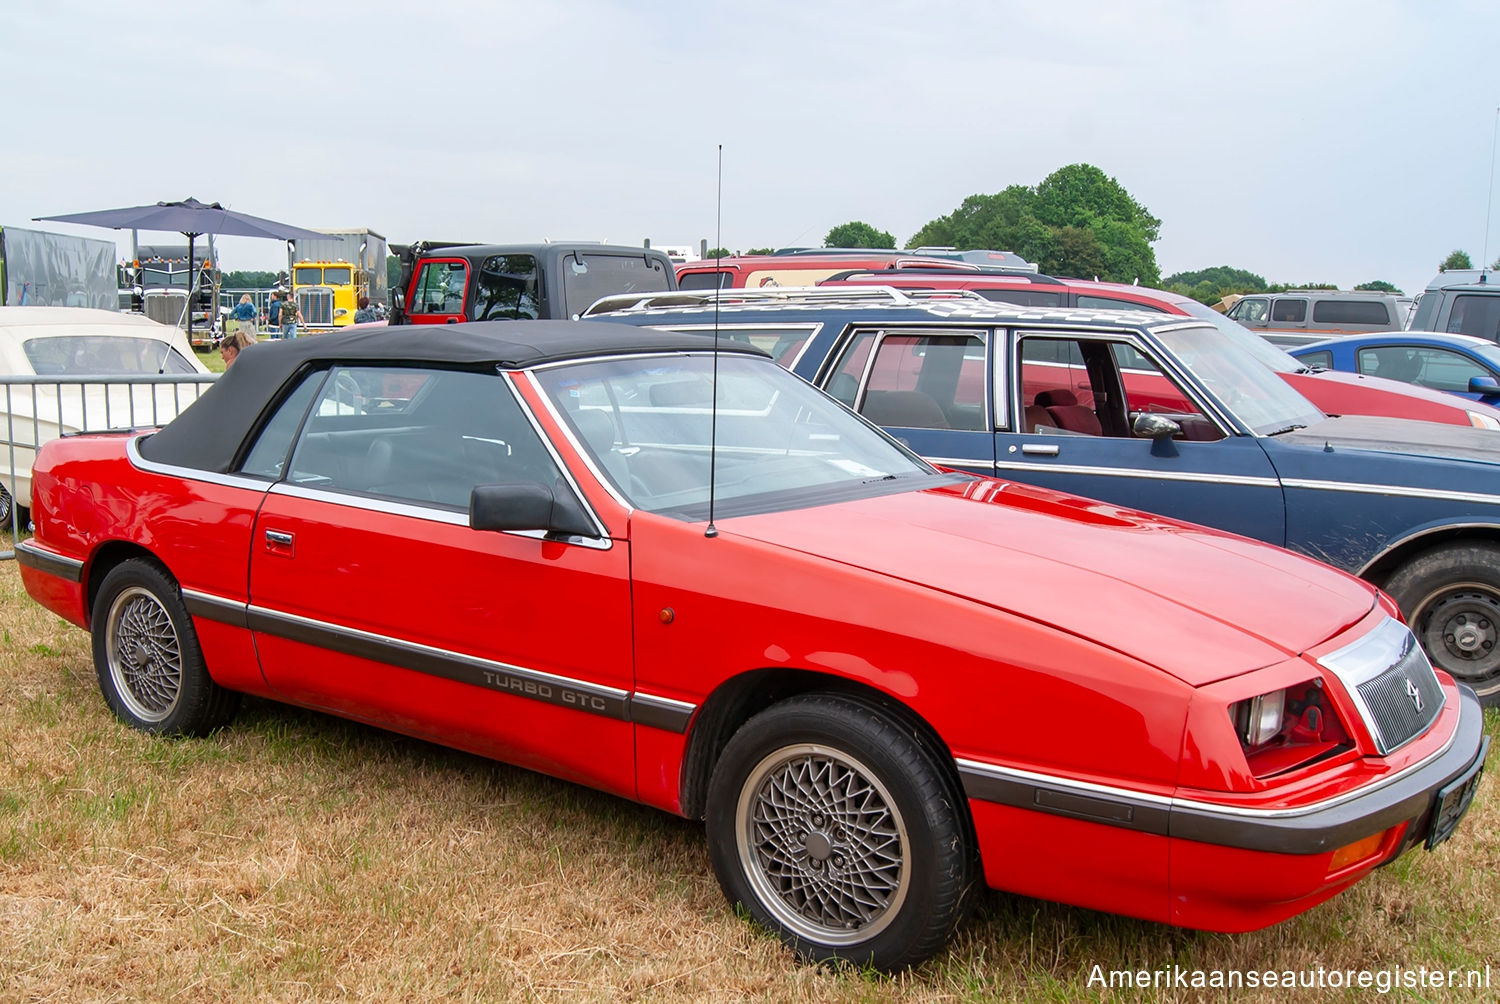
(1149, 426)
(397, 312)
(528, 505)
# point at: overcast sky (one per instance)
(1322, 141)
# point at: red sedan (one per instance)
(878, 683)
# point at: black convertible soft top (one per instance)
(207, 434)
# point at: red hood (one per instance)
(1338, 393)
(1197, 603)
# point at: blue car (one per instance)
(1459, 364)
(1154, 412)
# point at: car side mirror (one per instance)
(528, 505)
(1486, 385)
(1149, 426)
(397, 312)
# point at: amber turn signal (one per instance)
(1356, 852)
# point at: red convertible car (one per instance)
(877, 682)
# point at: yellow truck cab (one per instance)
(332, 273)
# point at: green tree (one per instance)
(1458, 259)
(858, 234)
(761, 251)
(248, 280)
(718, 253)
(1379, 286)
(1078, 221)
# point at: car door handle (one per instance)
(277, 538)
(1039, 449)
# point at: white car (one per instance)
(131, 357)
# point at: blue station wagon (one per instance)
(1158, 413)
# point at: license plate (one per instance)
(1453, 800)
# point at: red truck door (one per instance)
(438, 291)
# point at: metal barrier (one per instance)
(38, 409)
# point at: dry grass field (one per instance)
(296, 857)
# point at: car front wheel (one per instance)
(834, 827)
(1450, 596)
(146, 654)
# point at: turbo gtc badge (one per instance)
(1414, 693)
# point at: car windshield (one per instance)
(646, 423)
(1246, 339)
(1244, 385)
(115, 355)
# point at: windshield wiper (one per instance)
(1291, 428)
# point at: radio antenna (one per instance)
(713, 408)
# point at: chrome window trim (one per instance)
(432, 514)
(133, 454)
(557, 460)
(567, 431)
(1166, 362)
(813, 328)
(986, 463)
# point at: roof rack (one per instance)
(904, 270)
(772, 294)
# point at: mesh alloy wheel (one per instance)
(145, 654)
(823, 843)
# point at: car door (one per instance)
(372, 597)
(1426, 366)
(1074, 399)
(438, 291)
(928, 387)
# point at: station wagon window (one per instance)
(416, 435)
(1094, 387)
(1023, 297)
(590, 277)
(506, 288)
(1110, 303)
(440, 288)
(916, 381)
(1350, 312)
(1439, 369)
(1289, 310)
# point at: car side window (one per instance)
(506, 288)
(1289, 310)
(1251, 310)
(1425, 367)
(1111, 303)
(267, 458)
(926, 382)
(1317, 360)
(417, 435)
(1091, 387)
(1476, 314)
(440, 288)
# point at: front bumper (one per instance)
(1205, 864)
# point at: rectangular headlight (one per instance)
(1259, 719)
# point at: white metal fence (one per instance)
(38, 409)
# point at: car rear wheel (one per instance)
(835, 828)
(146, 654)
(1450, 596)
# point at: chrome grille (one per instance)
(316, 306)
(1392, 683)
(164, 308)
(1403, 700)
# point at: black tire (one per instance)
(1450, 595)
(6, 503)
(886, 893)
(146, 653)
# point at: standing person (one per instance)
(291, 316)
(365, 313)
(244, 315)
(273, 315)
(233, 343)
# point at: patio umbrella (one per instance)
(192, 219)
